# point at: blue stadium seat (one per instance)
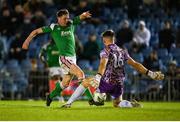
(9, 87)
(127, 85)
(138, 57)
(84, 64)
(130, 71)
(95, 64)
(83, 38)
(1, 64)
(154, 42)
(146, 52)
(106, 12)
(32, 50)
(26, 63)
(102, 28)
(142, 86)
(90, 28)
(12, 66)
(8, 83)
(40, 65)
(162, 67)
(127, 46)
(18, 74)
(175, 52)
(166, 59)
(178, 60)
(21, 82)
(12, 63)
(162, 52)
(26, 66)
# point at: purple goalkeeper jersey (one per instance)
(114, 75)
(117, 58)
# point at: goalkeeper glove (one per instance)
(155, 75)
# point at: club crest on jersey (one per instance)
(65, 33)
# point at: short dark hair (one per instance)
(109, 33)
(62, 12)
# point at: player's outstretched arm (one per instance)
(140, 68)
(30, 37)
(85, 15)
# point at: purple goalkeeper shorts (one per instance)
(115, 90)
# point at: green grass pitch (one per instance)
(36, 110)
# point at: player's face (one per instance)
(105, 40)
(63, 20)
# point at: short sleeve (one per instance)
(104, 54)
(46, 29)
(126, 55)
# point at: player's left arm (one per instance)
(77, 20)
(102, 66)
(140, 68)
(101, 69)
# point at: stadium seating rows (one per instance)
(15, 74)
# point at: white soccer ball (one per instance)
(99, 97)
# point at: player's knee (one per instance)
(65, 84)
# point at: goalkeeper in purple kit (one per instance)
(111, 75)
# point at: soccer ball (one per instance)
(99, 97)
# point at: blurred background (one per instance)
(148, 29)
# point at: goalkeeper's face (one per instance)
(107, 40)
(63, 20)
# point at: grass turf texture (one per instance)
(36, 110)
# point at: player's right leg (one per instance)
(70, 64)
(76, 70)
(81, 89)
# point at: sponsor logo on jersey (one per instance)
(65, 33)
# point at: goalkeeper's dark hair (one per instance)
(62, 12)
(108, 33)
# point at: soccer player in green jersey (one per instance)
(63, 35)
(49, 55)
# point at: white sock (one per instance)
(61, 85)
(125, 104)
(77, 93)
